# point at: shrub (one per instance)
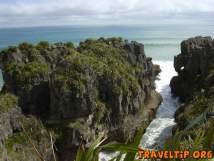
(42, 45)
(25, 46)
(7, 101)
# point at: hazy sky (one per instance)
(102, 12)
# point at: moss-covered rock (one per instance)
(20, 136)
(31, 143)
(194, 85)
(195, 74)
(105, 83)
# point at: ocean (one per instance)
(162, 43)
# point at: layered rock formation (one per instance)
(194, 66)
(195, 81)
(101, 86)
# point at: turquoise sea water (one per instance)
(161, 41)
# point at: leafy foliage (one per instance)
(7, 101)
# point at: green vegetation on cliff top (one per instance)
(103, 61)
(99, 62)
(94, 61)
(104, 57)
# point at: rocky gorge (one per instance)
(103, 86)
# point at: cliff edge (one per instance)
(194, 84)
(101, 86)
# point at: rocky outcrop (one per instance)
(194, 83)
(9, 114)
(101, 86)
(21, 137)
(194, 66)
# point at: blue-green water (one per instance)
(161, 41)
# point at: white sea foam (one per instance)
(161, 127)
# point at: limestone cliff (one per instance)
(194, 66)
(101, 86)
(195, 83)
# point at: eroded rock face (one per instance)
(193, 66)
(194, 83)
(9, 123)
(17, 130)
(99, 87)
